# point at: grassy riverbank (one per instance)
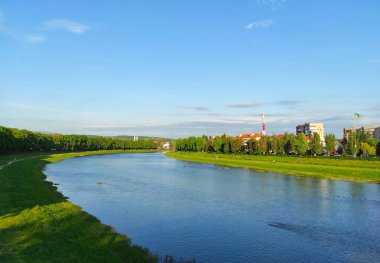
(37, 224)
(359, 170)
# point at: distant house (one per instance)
(166, 145)
(247, 136)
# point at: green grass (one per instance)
(37, 224)
(358, 170)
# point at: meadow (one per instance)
(338, 168)
(38, 224)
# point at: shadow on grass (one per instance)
(23, 186)
(37, 223)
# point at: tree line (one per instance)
(15, 140)
(357, 143)
(361, 143)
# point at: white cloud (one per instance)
(70, 26)
(34, 39)
(273, 3)
(19, 35)
(259, 24)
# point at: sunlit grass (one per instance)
(37, 224)
(340, 169)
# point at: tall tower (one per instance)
(263, 128)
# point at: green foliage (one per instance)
(289, 143)
(263, 144)
(362, 136)
(378, 149)
(315, 144)
(366, 149)
(301, 145)
(14, 140)
(352, 144)
(372, 142)
(218, 144)
(340, 168)
(236, 145)
(38, 224)
(330, 143)
(274, 145)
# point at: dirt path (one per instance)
(17, 160)
(9, 163)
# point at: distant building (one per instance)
(377, 133)
(166, 145)
(247, 136)
(135, 138)
(373, 131)
(310, 128)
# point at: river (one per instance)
(218, 214)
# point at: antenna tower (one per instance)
(263, 128)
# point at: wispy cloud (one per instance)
(286, 103)
(195, 108)
(259, 24)
(33, 39)
(18, 35)
(257, 104)
(67, 25)
(274, 4)
(246, 105)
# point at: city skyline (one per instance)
(175, 69)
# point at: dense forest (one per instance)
(356, 144)
(15, 140)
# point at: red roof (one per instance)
(247, 136)
(244, 136)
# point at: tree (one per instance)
(367, 149)
(352, 144)
(362, 136)
(378, 149)
(372, 142)
(315, 144)
(218, 144)
(236, 145)
(289, 143)
(256, 147)
(330, 143)
(301, 145)
(200, 143)
(251, 146)
(274, 144)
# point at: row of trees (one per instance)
(360, 143)
(288, 144)
(14, 140)
(357, 143)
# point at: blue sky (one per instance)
(180, 68)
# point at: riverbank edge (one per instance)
(104, 244)
(270, 166)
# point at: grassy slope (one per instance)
(37, 224)
(340, 169)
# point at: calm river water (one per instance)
(217, 214)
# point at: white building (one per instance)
(372, 130)
(310, 128)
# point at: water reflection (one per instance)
(214, 214)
